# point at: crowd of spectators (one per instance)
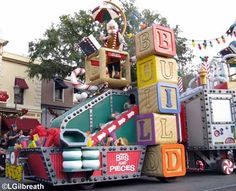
(8, 139)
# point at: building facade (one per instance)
(57, 98)
(18, 93)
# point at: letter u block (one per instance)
(155, 129)
(157, 40)
(159, 98)
(167, 160)
(155, 69)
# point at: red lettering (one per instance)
(164, 40)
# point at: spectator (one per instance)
(13, 135)
(4, 142)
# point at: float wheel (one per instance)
(226, 166)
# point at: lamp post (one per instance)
(16, 94)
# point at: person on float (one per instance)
(114, 40)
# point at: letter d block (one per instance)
(159, 98)
(155, 129)
(166, 160)
(155, 69)
(157, 40)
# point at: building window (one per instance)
(59, 94)
(19, 89)
(59, 87)
(19, 98)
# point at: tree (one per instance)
(59, 53)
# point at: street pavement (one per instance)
(191, 182)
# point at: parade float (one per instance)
(117, 134)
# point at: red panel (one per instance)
(222, 86)
(21, 83)
(183, 124)
(36, 165)
(57, 160)
(123, 162)
(164, 41)
(94, 63)
(116, 55)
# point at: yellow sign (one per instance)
(14, 172)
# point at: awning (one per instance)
(60, 84)
(24, 124)
(21, 83)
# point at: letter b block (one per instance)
(166, 160)
(155, 129)
(155, 69)
(157, 40)
(159, 98)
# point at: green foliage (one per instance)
(59, 53)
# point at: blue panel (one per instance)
(169, 106)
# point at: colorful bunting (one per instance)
(223, 39)
(193, 43)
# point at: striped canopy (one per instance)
(104, 13)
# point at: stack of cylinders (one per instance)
(72, 160)
(90, 158)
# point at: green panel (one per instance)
(118, 102)
(128, 130)
(80, 122)
(101, 112)
(57, 122)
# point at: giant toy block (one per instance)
(96, 68)
(155, 129)
(157, 40)
(159, 98)
(166, 160)
(153, 69)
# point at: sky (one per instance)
(27, 20)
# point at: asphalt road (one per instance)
(191, 182)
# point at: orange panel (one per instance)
(173, 160)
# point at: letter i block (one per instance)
(157, 40)
(155, 129)
(155, 69)
(159, 98)
(167, 160)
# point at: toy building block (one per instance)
(167, 160)
(159, 98)
(157, 40)
(155, 129)
(155, 69)
(96, 68)
(210, 116)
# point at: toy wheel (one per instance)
(167, 179)
(226, 166)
